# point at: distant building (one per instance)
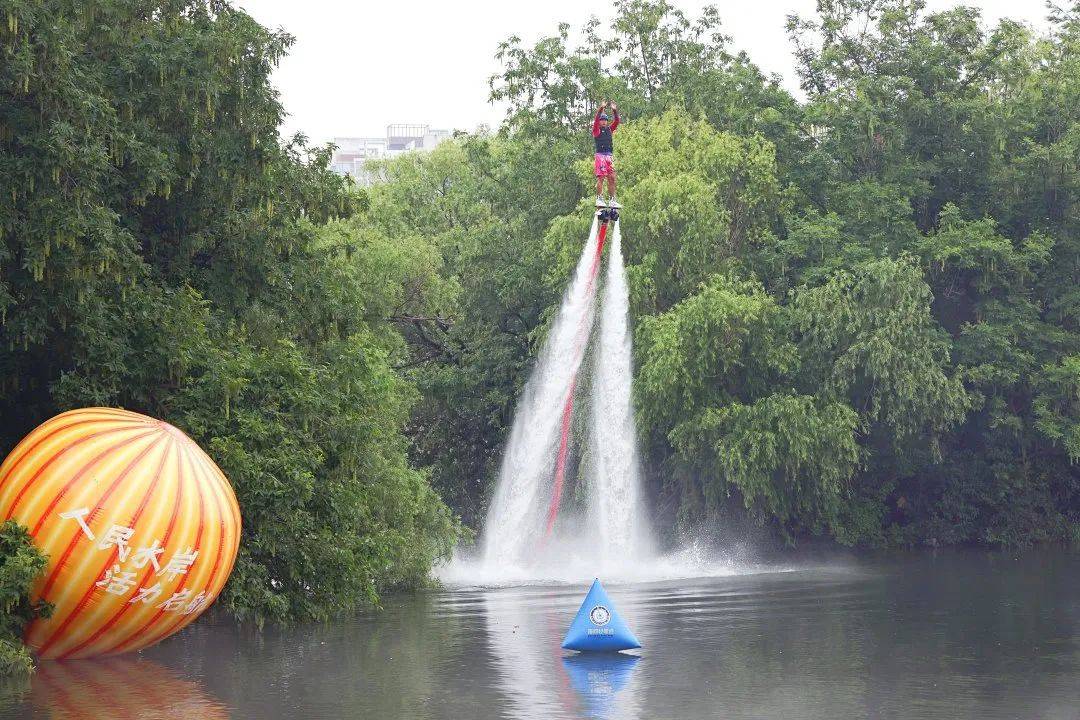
(353, 152)
(400, 138)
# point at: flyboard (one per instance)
(607, 214)
(607, 211)
(598, 627)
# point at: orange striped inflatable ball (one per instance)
(140, 526)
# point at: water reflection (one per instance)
(521, 624)
(525, 627)
(118, 687)
(600, 679)
(965, 636)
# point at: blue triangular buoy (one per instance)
(598, 626)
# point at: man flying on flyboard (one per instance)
(603, 128)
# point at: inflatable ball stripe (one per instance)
(140, 526)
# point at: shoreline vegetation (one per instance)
(855, 314)
(20, 565)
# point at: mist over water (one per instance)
(569, 560)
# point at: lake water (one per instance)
(944, 635)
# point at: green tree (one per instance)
(164, 251)
(910, 227)
(20, 565)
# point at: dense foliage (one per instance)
(20, 564)
(162, 250)
(855, 313)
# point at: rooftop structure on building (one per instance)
(353, 153)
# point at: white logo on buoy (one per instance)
(599, 615)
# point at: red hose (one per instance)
(568, 406)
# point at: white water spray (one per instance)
(514, 526)
(613, 539)
(614, 533)
(616, 509)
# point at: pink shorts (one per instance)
(603, 165)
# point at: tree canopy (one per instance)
(854, 311)
(163, 250)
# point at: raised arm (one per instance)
(596, 120)
(615, 120)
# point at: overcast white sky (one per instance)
(360, 65)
